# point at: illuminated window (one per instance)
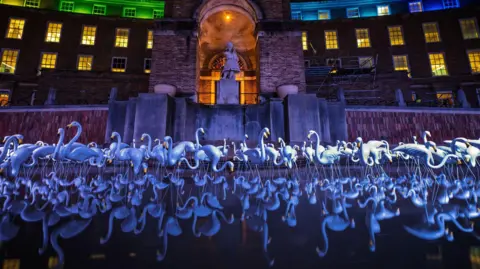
(437, 63)
(363, 38)
(15, 28)
(450, 4)
(49, 60)
(324, 14)
(9, 61)
(415, 6)
(331, 39)
(304, 41)
(32, 3)
(444, 95)
(400, 63)
(129, 12)
(67, 6)
(365, 62)
(432, 35)
(121, 38)
(158, 13)
(85, 62)
(11, 264)
(147, 65)
(296, 15)
(474, 58)
(353, 12)
(119, 64)
(469, 28)
(88, 35)
(4, 97)
(99, 9)
(475, 256)
(52, 262)
(54, 30)
(383, 10)
(396, 35)
(150, 39)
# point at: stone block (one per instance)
(221, 122)
(227, 92)
(152, 115)
(117, 111)
(130, 121)
(303, 114)
(337, 121)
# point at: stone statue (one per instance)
(231, 66)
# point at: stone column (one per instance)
(298, 121)
(129, 120)
(277, 119)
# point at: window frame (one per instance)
(421, 6)
(401, 33)
(98, 5)
(8, 27)
(336, 39)
(369, 39)
(353, 8)
(153, 38)
(129, 8)
(457, 5)
(470, 63)
(144, 65)
(157, 10)
(298, 12)
(370, 58)
(25, 3)
(388, 6)
(69, 2)
(119, 57)
(95, 36)
(128, 38)
(444, 61)
(78, 61)
(408, 63)
(16, 62)
(476, 27)
(41, 57)
(305, 48)
(324, 11)
(438, 32)
(46, 32)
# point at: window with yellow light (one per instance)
(88, 35)
(15, 28)
(121, 37)
(395, 34)
(119, 64)
(430, 30)
(85, 62)
(9, 61)
(474, 58)
(304, 41)
(150, 39)
(49, 60)
(469, 28)
(363, 38)
(147, 65)
(475, 257)
(4, 98)
(11, 264)
(52, 262)
(437, 63)
(400, 63)
(331, 39)
(54, 31)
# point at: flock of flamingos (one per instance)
(64, 185)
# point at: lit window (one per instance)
(324, 14)
(52, 262)
(88, 35)
(32, 3)
(450, 4)
(15, 28)
(54, 30)
(432, 35)
(415, 6)
(296, 15)
(85, 62)
(49, 60)
(469, 28)
(437, 63)
(365, 62)
(304, 41)
(363, 38)
(121, 38)
(9, 61)
(474, 58)
(129, 12)
(99, 9)
(67, 6)
(475, 252)
(119, 64)
(4, 98)
(147, 65)
(353, 12)
(331, 39)
(11, 264)
(383, 10)
(158, 14)
(150, 39)
(444, 95)
(400, 63)
(396, 35)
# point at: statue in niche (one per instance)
(231, 67)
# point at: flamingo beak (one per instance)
(268, 132)
(6, 139)
(232, 169)
(141, 139)
(308, 136)
(165, 145)
(203, 131)
(109, 161)
(69, 126)
(112, 137)
(145, 170)
(468, 144)
(20, 141)
(265, 135)
(1, 170)
(358, 145)
(435, 148)
(459, 162)
(398, 211)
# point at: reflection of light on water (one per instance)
(132, 254)
(97, 256)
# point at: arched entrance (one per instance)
(221, 22)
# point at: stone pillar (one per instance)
(152, 115)
(174, 60)
(116, 119)
(462, 99)
(299, 122)
(277, 119)
(181, 129)
(280, 58)
(337, 120)
(129, 120)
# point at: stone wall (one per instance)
(43, 123)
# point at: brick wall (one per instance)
(280, 59)
(43, 124)
(400, 125)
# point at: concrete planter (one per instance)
(287, 89)
(165, 89)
